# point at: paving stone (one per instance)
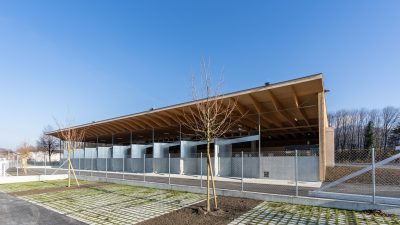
(281, 213)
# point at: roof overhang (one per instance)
(285, 106)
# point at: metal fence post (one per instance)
(79, 167)
(106, 168)
(144, 167)
(242, 171)
(373, 176)
(201, 169)
(169, 168)
(17, 165)
(44, 162)
(296, 173)
(91, 166)
(123, 168)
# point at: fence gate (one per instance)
(363, 179)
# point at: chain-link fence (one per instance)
(294, 172)
(290, 172)
(364, 175)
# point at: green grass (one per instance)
(300, 214)
(36, 185)
(109, 204)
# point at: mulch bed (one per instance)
(230, 208)
(55, 189)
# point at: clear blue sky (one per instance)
(93, 60)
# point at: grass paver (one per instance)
(36, 185)
(111, 204)
(283, 213)
(124, 204)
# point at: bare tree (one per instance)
(350, 127)
(48, 143)
(72, 139)
(211, 117)
(24, 151)
(390, 116)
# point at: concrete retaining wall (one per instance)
(330, 203)
(175, 165)
(120, 151)
(160, 165)
(273, 167)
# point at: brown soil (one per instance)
(384, 176)
(229, 209)
(55, 189)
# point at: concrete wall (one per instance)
(90, 153)
(160, 165)
(175, 165)
(283, 167)
(134, 165)
(149, 165)
(223, 149)
(190, 166)
(137, 150)
(103, 164)
(104, 152)
(278, 167)
(78, 153)
(330, 147)
(161, 150)
(250, 168)
(189, 160)
(88, 164)
(224, 161)
(160, 156)
(120, 151)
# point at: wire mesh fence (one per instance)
(348, 163)
(293, 172)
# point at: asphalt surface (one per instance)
(349, 188)
(19, 212)
(252, 187)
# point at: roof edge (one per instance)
(231, 94)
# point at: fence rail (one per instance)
(294, 173)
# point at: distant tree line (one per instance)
(362, 129)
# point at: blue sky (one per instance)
(92, 60)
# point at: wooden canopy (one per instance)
(285, 110)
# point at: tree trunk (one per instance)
(50, 158)
(210, 172)
(69, 167)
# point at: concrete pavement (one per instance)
(14, 211)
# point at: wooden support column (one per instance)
(323, 123)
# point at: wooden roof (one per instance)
(285, 108)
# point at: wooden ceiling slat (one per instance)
(274, 103)
(129, 126)
(116, 128)
(163, 118)
(298, 107)
(174, 119)
(100, 131)
(137, 123)
(261, 111)
(150, 124)
(279, 108)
